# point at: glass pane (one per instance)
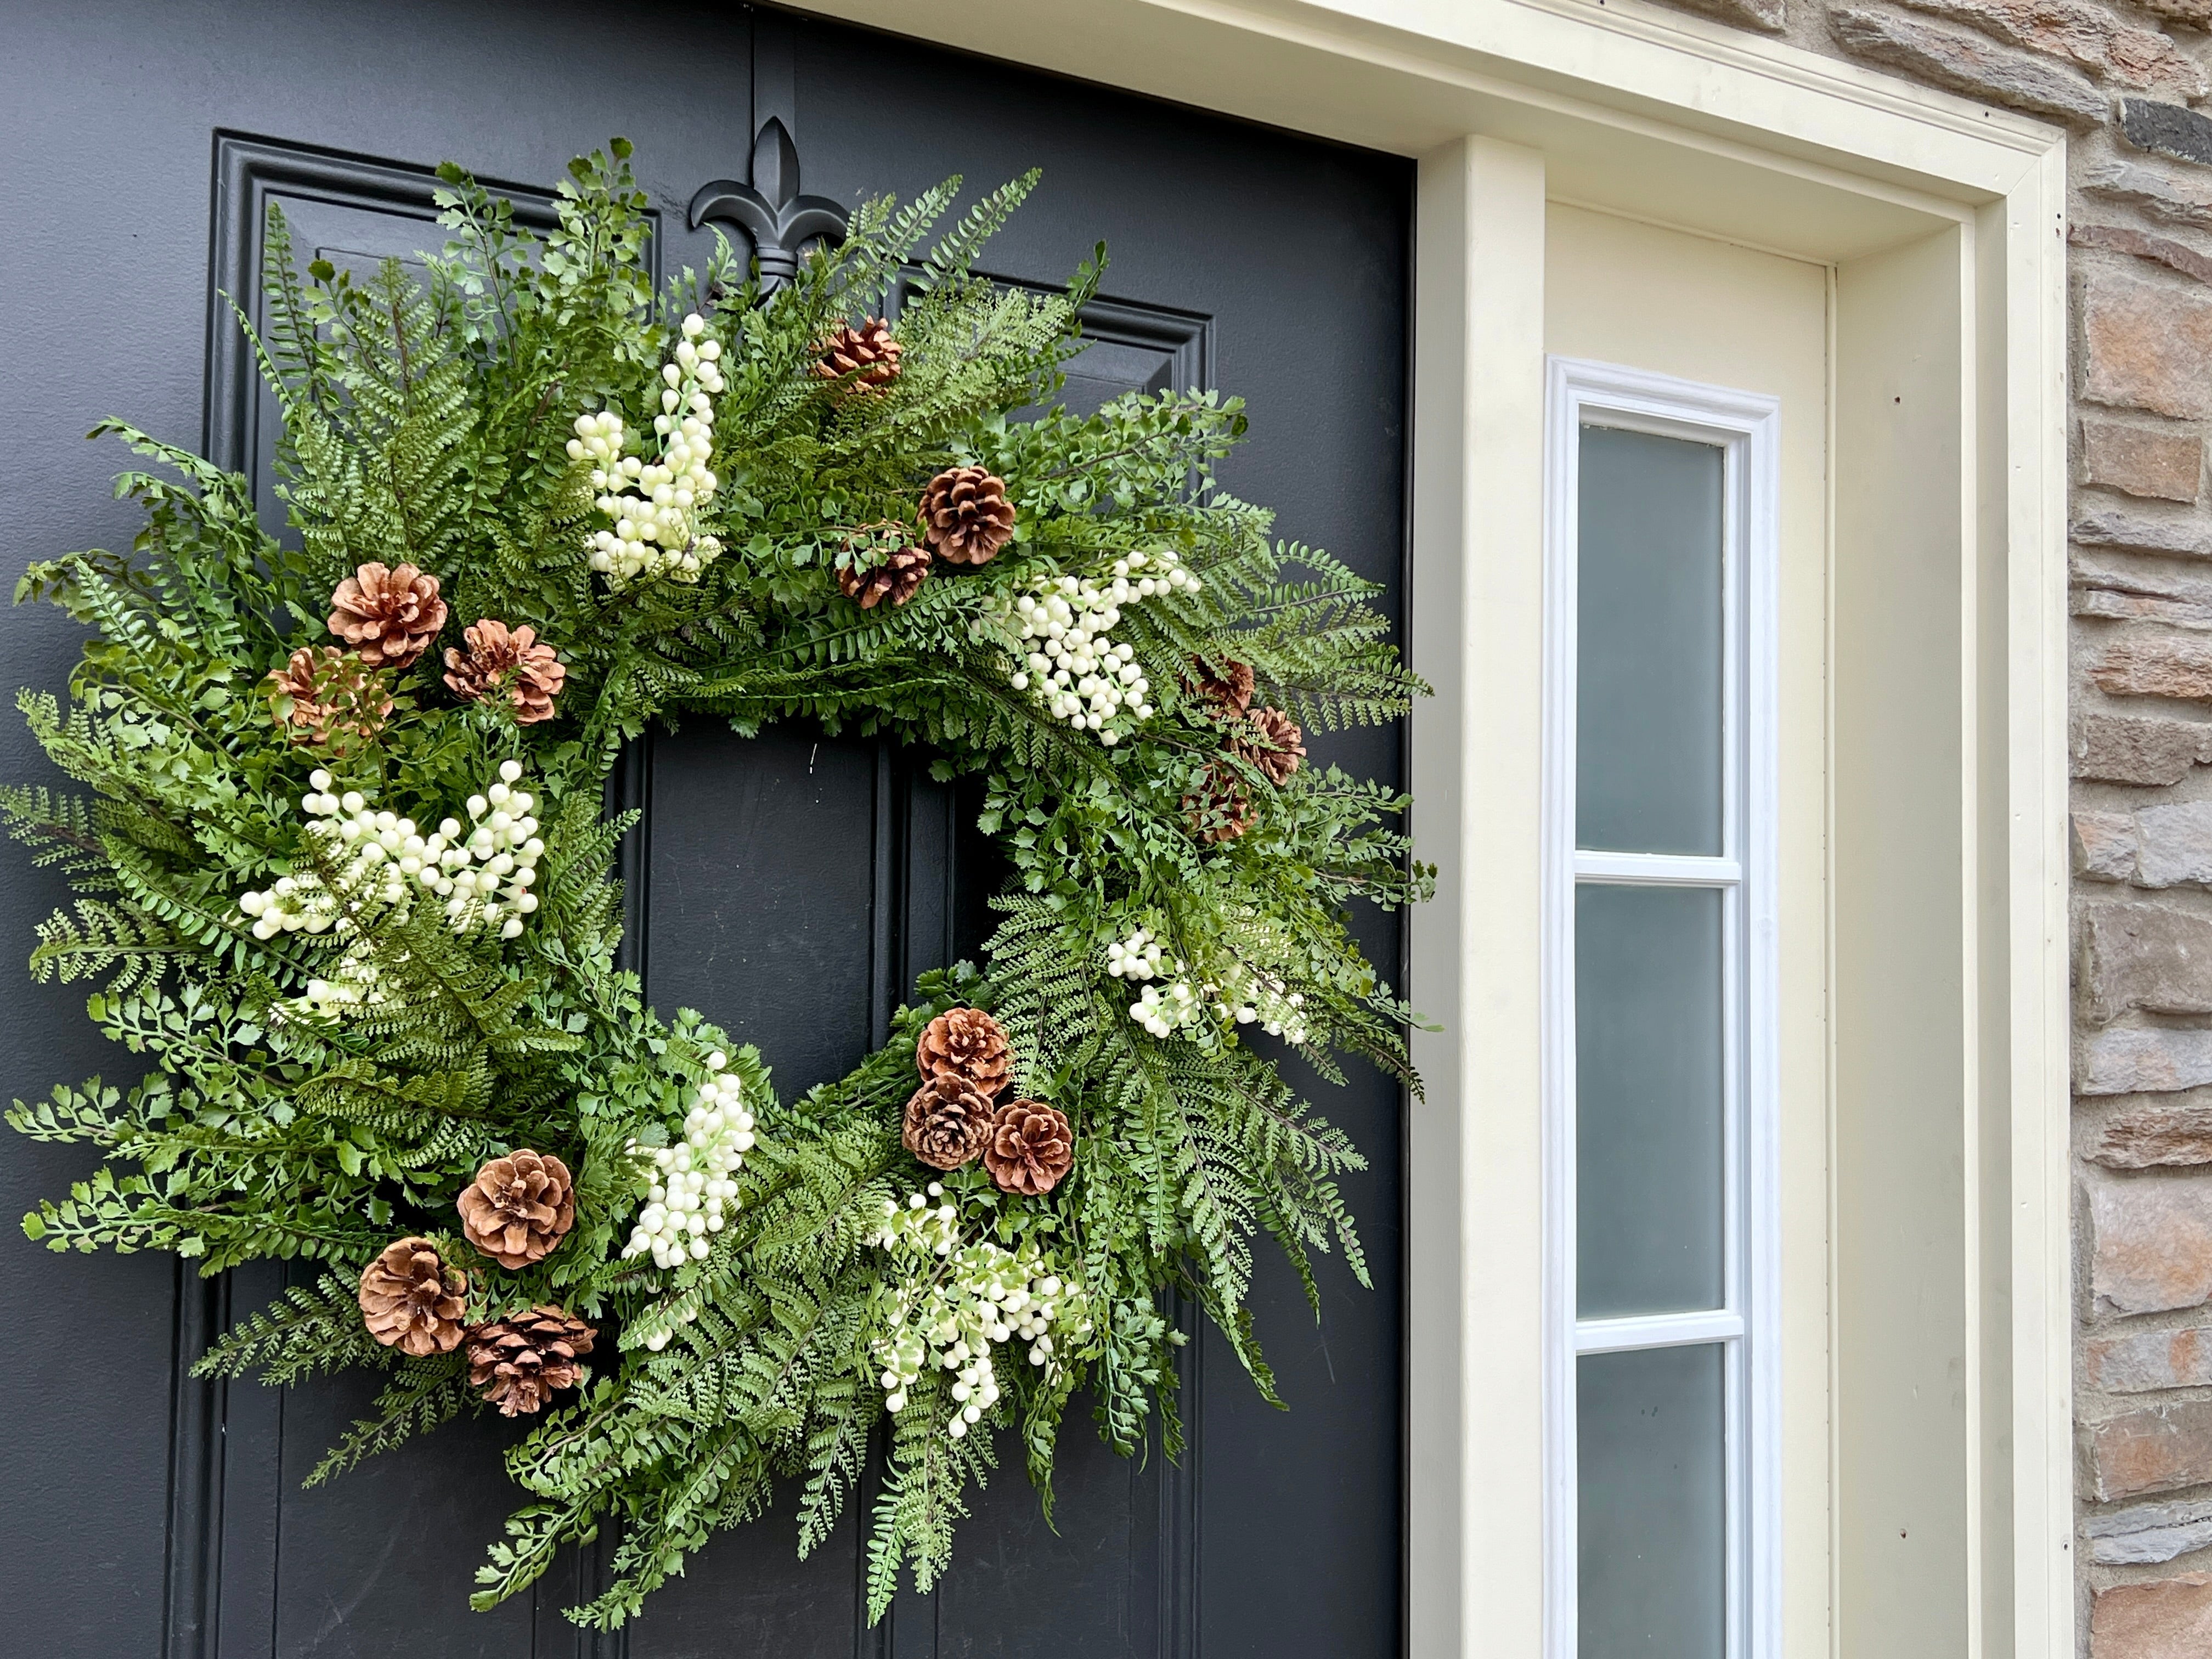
(1648, 1156)
(1653, 1505)
(1648, 675)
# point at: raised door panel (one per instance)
(350, 1565)
(793, 885)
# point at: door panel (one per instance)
(354, 210)
(790, 885)
(794, 885)
(765, 903)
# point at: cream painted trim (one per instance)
(1911, 1331)
(2024, 320)
(1476, 1333)
(1688, 123)
(1623, 52)
(1409, 75)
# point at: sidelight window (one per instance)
(1659, 1017)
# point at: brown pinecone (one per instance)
(965, 1043)
(1029, 1149)
(1270, 740)
(967, 516)
(881, 559)
(863, 359)
(1219, 809)
(327, 696)
(518, 1362)
(412, 1300)
(388, 615)
(518, 1207)
(1228, 693)
(946, 1123)
(510, 659)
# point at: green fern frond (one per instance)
(309, 1330)
(425, 1394)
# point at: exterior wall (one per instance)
(2124, 78)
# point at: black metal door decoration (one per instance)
(733, 879)
(770, 211)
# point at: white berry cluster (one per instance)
(691, 1186)
(1138, 957)
(919, 1226)
(1178, 1002)
(653, 498)
(1251, 995)
(484, 874)
(485, 877)
(354, 984)
(291, 904)
(1070, 662)
(1162, 1009)
(961, 1302)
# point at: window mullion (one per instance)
(1657, 1331)
(1657, 869)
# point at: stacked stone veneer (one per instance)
(2125, 79)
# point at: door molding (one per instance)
(219, 1439)
(1938, 217)
(250, 171)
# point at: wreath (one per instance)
(343, 868)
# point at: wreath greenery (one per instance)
(360, 914)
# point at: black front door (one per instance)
(789, 886)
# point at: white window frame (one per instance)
(1745, 427)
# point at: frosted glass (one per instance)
(1648, 651)
(1648, 1159)
(1653, 1505)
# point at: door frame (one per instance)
(1941, 221)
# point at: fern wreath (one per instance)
(345, 873)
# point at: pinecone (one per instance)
(499, 659)
(412, 1300)
(518, 1362)
(388, 615)
(946, 1123)
(967, 516)
(864, 359)
(328, 696)
(518, 1207)
(1219, 809)
(966, 1043)
(1031, 1148)
(881, 559)
(1270, 740)
(1228, 693)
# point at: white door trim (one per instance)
(1943, 220)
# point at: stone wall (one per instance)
(2124, 79)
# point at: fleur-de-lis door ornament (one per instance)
(770, 210)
